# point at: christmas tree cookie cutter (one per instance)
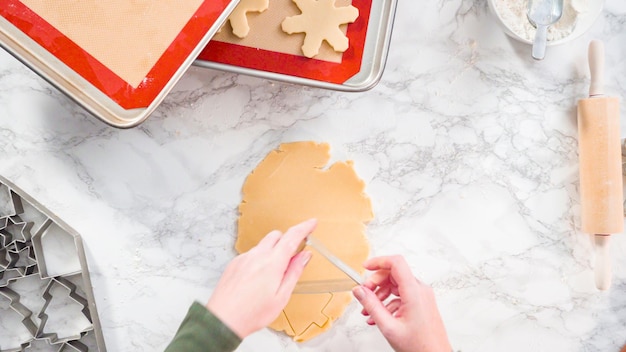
(46, 297)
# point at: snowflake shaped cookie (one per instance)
(238, 18)
(320, 20)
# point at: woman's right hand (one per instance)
(410, 321)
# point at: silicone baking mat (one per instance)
(256, 53)
(128, 50)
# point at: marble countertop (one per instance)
(467, 145)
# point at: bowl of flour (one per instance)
(578, 16)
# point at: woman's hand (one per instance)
(411, 320)
(256, 285)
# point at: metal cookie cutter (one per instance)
(46, 297)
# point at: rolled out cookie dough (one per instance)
(291, 185)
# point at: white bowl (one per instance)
(584, 21)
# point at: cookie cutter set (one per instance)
(46, 297)
(46, 49)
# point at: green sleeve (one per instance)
(201, 331)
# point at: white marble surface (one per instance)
(468, 148)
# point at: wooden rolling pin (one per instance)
(600, 166)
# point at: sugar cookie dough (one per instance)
(291, 185)
(238, 18)
(320, 20)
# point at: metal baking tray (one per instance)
(372, 63)
(46, 297)
(46, 48)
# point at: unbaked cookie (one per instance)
(290, 185)
(320, 20)
(238, 18)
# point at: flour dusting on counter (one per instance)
(513, 14)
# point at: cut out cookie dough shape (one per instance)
(320, 20)
(238, 18)
(290, 185)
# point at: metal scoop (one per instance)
(542, 14)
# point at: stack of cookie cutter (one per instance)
(46, 297)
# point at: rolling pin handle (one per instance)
(596, 68)
(603, 262)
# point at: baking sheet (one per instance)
(359, 68)
(118, 59)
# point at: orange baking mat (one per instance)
(129, 50)
(295, 65)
